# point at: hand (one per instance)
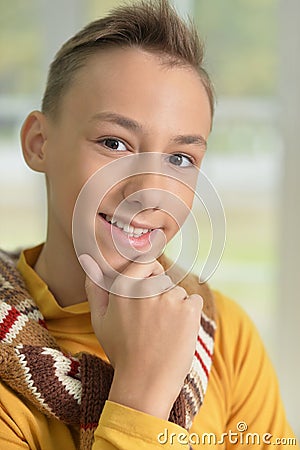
(149, 341)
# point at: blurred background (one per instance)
(253, 156)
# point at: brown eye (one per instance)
(114, 144)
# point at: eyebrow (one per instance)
(190, 139)
(118, 119)
(133, 125)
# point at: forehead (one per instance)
(138, 84)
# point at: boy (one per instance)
(130, 83)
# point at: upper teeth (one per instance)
(132, 231)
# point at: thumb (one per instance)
(94, 285)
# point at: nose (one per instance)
(146, 191)
(147, 188)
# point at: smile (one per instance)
(126, 228)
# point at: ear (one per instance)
(33, 139)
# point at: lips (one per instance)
(136, 241)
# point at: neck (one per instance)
(59, 267)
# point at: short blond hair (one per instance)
(152, 25)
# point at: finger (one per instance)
(152, 286)
(94, 285)
(142, 278)
(141, 269)
(137, 286)
(197, 302)
(197, 299)
(158, 242)
(179, 293)
(91, 268)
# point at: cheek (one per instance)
(186, 194)
(63, 188)
(68, 168)
(175, 223)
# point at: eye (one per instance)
(178, 159)
(113, 144)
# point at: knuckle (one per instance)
(179, 292)
(197, 299)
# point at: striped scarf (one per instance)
(73, 389)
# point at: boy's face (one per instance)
(158, 104)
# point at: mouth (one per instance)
(126, 228)
(128, 234)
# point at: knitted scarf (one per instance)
(74, 388)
